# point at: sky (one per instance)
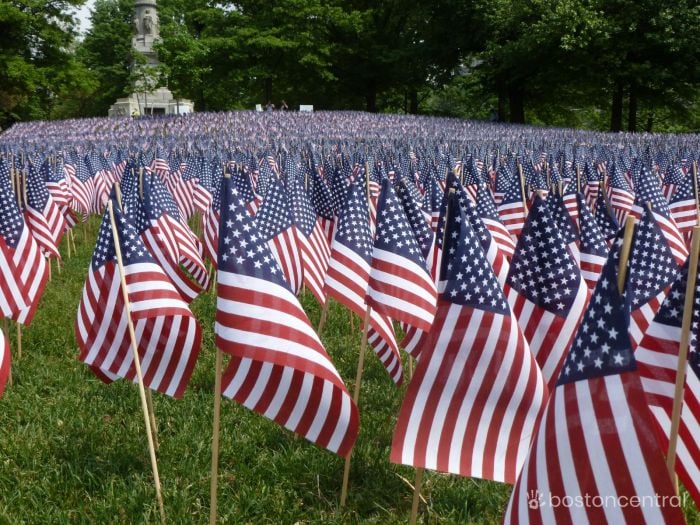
(84, 15)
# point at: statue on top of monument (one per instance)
(136, 25)
(147, 23)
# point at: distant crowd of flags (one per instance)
(537, 364)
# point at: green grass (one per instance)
(73, 450)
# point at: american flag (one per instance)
(56, 183)
(477, 393)
(180, 238)
(565, 225)
(432, 207)
(167, 333)
(210, 225)
(546, 291)
(276, 225)
(570, 197)
(241, 178)
(486, 208)
(683, 205)
(674, 176)
(323, 201)
(311, 238)
(196, 183)
(160, 166)
(182, 193)
(594, 441)
(82, 187)
(278, 366)
(24, 268)
(591, 181)
(620, 193)
(417, 219)
(399, 283)
(502, 182)
(594, 248)
(348, 275)
(496, 257)
(433, 202)
(652, 270)
(605, 218)
(103, 179)
(512, 209)
(649, 193)
(657, 358)
(156, 235)
(5, 360)
(5, 175)
(13, 295)
(43, 216)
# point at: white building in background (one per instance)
(147, 99)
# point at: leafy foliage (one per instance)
(592, 63)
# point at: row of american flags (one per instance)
(497, 262)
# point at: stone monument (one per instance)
(145, 100)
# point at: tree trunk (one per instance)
(632, 115)
(268, 89)
(502, 113)
(650, 122)
(516, 102)
(413, 102)
(616, 109)
(371, 96)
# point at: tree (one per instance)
(35, 41)
(649, 54)
(105, 53)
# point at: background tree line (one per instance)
(602, 64)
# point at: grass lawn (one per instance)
(73, 450)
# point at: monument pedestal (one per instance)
(158, 102)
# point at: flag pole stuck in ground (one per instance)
(356, 398)
(214, 483)
(137, 363)
(683, 351)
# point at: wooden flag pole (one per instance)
(214, 482)
(683, 351)
(215, 441)
(19, 341)
(324, 316)
(68, 241)
(137, 363)
(152, 419)
(149, 397)
(24, 189)
(416, 496)
(521, 178)
(18, 188)
(72, 240)
(22, 200)
(695, 185)
(421, 470)
(625, 253)
(578, 179)
(355, 398)
(140, 181)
